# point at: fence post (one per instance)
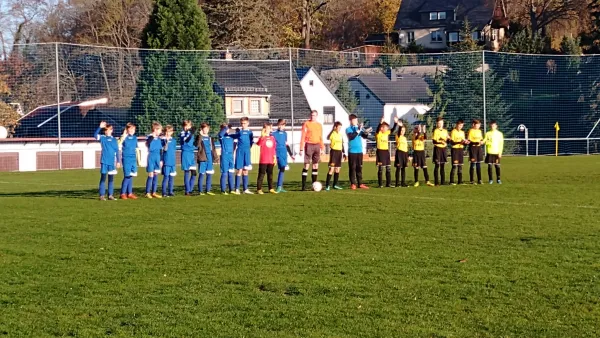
(484, 92)
(291, 93)
(588, 146)
(537, 142)
(58, 108)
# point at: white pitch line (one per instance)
(49, 184)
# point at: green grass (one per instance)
(516, 260)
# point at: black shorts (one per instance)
(312, 153)
(401, 160)
(382, 158)
(419, 160)
(439, 155)
(458, 156)
(492, 159)
(335, 158)
(475, 154)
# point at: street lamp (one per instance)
(523, 128)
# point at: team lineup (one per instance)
(199, 156)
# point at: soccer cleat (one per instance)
(362, 186)
(149, 196)
(202, 194)
(102, 198)
(248, 192)
(430, 184)
(353, 187)
(417, 184)
(473, 182)
(454, 184)
(260, 192)
(188, 194)
(123, 197)
(165, 196)
(491, 182)
(381, 187)
(237, 192)
(224, 193)
(335, 187)
(132, 197)
(480, 182)
(272, 191)
(327, 188)
(389, 186)
(499, 182)
(155, 195)
(280, 190)
(210, 193)
(171, 195)
(404, 185)
(111, 198)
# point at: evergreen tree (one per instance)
(176, 85)
(346, 96)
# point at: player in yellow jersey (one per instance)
(475, 141)
(419, 160)
(336, 154)
(382, 156)
(457, 139)
(401, 158)
(440, 139)
(494, 145)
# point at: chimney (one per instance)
(228, 55)
(392, 74)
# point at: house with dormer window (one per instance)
(436, 24)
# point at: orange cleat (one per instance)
(362, 186)
(353, 187)
(123, 197)
(132, 197)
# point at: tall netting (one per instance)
(62, 91)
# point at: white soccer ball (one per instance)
(3, 132)
(317, 186)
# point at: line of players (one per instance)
(198, 155)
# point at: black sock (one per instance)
(426, 173)
(403, 172)
(314, 176)
(379, 175)
(304, 174)
(490, 172)
(416, 175)
(442, 174)
(472, 172)
(398, 176)
(459, 174)
(498, 172)
(478, 172)
(436, 174)
(452, 171)
(336, 177)
(388, 176)
(328, 180)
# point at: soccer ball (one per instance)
(317, 186)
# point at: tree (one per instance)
(466, 43)
(346, 96)
(386, 13)
(241, 24)
(526, 42)
(540, 15)
(9, 118)
(174, 86)
(309, 9)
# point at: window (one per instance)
(357, 96)
(255, 107)
(475, 35)
(494, 34)
(328, 115)
(437, 16)
(237, 106)
(367, 96)
(311, 83)
(453, 37)
(436, 36)
(411, 37)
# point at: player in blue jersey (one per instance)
(243, 163)
(206, 155)
(129, 151)
(282, 150)
(169, 149)
(188, 163)
(227, 168)
(154, 144)
(108, 158)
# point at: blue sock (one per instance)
(171, 183)
(224, 181)
(237, 182)
(111, 185)
(130, 186)
(149, 185)
(154, 183)
(245, 180)
(101, 188)
(192, 183)
(164, 185)
(186, 181)
(208, 182)
(230, 177)
(124, 185)
(201, 183)
(280, 178)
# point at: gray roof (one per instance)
(478, 12)
(406, 89)
(263, 77)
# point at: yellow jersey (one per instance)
(494, 142)
(475, 136)
(337, 142)
(440, 136)
(457, 137)
(402, 143)
(383, 139)
(419, 142)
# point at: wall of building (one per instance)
(423, 38)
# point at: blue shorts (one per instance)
(188, 162)
(243, 160)
(130, 167)
(153, 164)
(169, 170)
(206, 168)
(227, 163)
(282, 160)
(108, 169)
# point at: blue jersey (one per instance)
(280, 141)
(186, 140)
(110, 148)
(129, 145)
(245, 139)
(168, 152)
(355, 143)
(154, 145)
(226, 140)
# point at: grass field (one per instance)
(517, 260)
